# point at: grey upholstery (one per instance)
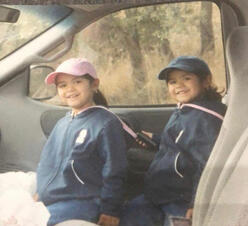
(49, 118)
(230, 197)
(225, 178)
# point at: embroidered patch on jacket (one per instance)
(81, 137)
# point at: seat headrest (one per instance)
(237, 51)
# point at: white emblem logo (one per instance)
(81, 137)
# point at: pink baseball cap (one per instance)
(73, 66)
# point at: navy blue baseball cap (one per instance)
(189, 64)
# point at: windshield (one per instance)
(33, 20)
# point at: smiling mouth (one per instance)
(72, 96)
(181, 92)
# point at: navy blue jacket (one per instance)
(185, 146)
(84, 157)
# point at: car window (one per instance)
(29, 25)
(131, 46)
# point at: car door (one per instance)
(129, 47)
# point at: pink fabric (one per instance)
(18, 208)
(73, 66)
(203, 109)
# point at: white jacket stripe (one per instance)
(175, 165)
(74, 172)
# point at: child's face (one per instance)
(76, 92)
(184, 87)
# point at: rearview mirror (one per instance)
(9, 15)
(38, 90)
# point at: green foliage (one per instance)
(137, 24)
(133, 45)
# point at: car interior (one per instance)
(29, 109)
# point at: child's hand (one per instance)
(142, 143)
(144, 139)
(189, 213)
(147, 133)
(106, 220)
(36, 197)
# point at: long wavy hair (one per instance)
(211, 93)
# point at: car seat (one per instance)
(222, 195)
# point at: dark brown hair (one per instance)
(211, 93)
(98, 96)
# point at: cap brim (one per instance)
(163, 75)
(50, 79)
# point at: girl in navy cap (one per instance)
(83, 164)
(184, 145)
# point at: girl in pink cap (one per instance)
(76, 69)
(83, 164)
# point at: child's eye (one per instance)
(171, 82)
(187, 78)
(61, 85)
